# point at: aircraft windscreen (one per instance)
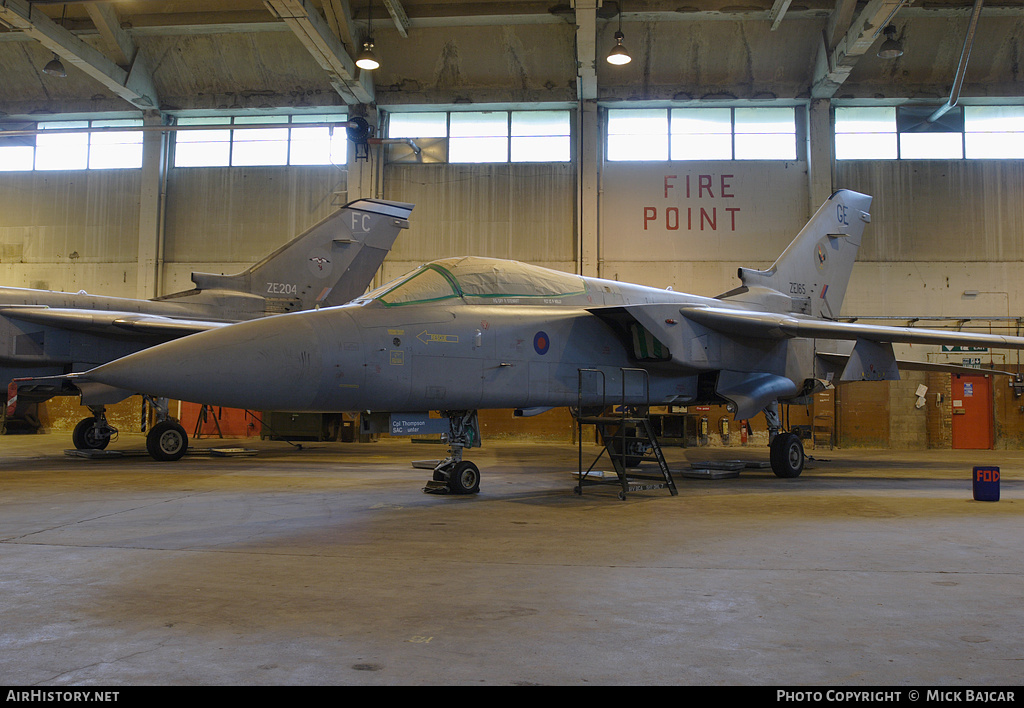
(425, 285)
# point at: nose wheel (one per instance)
(93, 433)
(464, 478)
(454, 475)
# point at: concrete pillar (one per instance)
(364, 176)
(820, 142)
(151, 211)
(588, 166)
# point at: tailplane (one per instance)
(330, 264)
(815, 268)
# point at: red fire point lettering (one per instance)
(704, 218)
(706, 187)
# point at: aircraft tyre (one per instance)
(85, 436)
(787, 455)
(167, 441)
(464, 479)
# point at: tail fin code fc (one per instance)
(329, 264)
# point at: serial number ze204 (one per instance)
(797, 289)
(282, 289)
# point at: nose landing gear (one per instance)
(93, 433)
(453, 475)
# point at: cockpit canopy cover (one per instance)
(472, 276)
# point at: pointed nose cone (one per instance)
(269, 364)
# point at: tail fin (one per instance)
(815, 268)
(330, 264)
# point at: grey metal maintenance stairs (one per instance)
(625, 432)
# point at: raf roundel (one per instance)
(541, 343)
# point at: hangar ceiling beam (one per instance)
(134, 84)
(398, 16)
(311, 28)
(839, 21)
(339, 17)
(836, 59)
(778, 11)
(121, 45)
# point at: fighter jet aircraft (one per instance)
(461, 334)
(52, 333)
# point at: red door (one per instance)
(218, 422)
(972, 413)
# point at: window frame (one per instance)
(48, 151)
(674, 145)
(226, 145)
(33, 152)
(908, 140)
(509, 141)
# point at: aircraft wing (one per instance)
(108, 322)
(658, 321)
(770, 325)
(841, 360)
(753, 375)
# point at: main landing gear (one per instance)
(165, 442)
(786, 450)
(453, 475)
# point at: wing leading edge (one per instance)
(111, 322)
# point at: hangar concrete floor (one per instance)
(329, 565)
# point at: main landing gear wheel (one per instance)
(787, 455)
(167, 441)
(464, 478)
(90, 436)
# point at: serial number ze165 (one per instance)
(797, 289)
